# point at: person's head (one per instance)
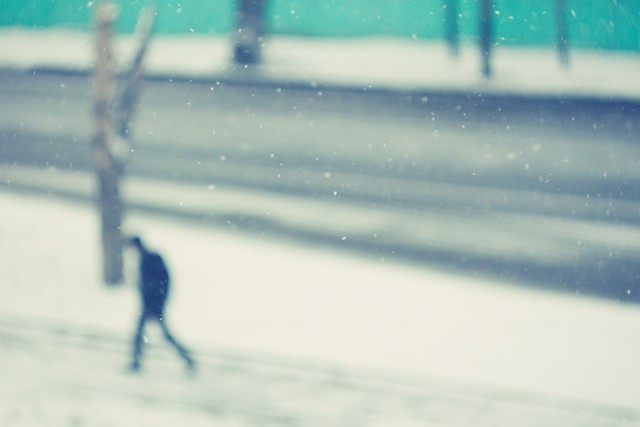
(136, 242)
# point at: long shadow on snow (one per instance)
(614, 276)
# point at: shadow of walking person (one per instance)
(153, 284)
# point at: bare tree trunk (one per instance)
(107, 167)
(485, 36)
(249, 32)
(130, 82)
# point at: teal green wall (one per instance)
(186, 16)
(604, 24)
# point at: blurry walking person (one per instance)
(154, 290)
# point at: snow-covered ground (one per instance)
(274, 300)
(301, 305)
(371, 62)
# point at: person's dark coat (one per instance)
(154, 282)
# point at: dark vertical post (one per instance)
(107, 168)
(451, 26)
(562, 32)
(485, 36)
(249, 35)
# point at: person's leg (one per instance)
(138, 341)
(184, 353)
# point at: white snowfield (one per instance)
(370, 62)
(401, 336)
